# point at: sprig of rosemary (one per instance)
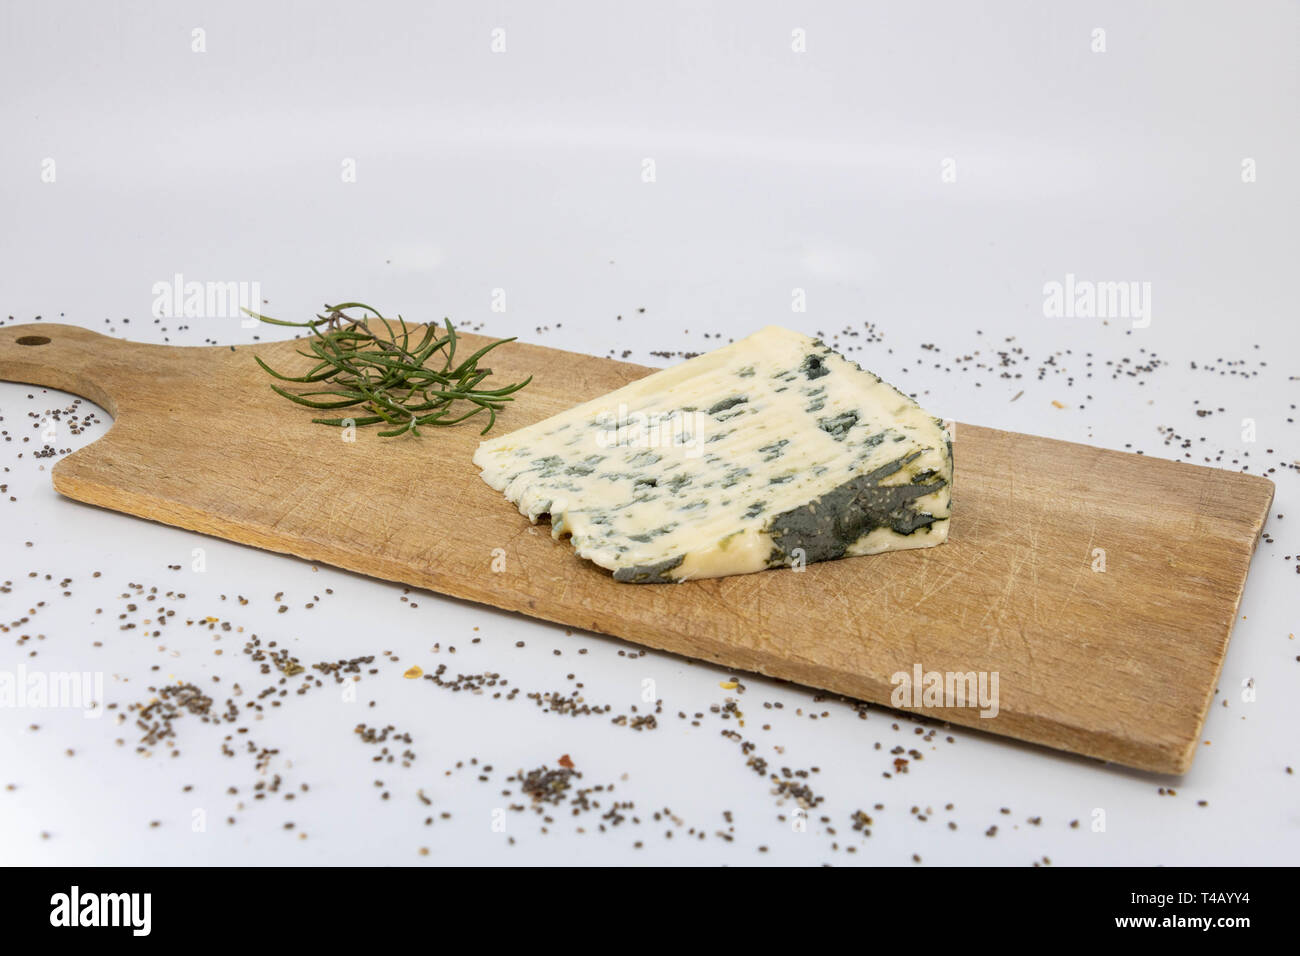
(395, 380)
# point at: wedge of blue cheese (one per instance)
(772, 452)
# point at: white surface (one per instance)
(522, 171)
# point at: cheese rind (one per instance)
(774, 451)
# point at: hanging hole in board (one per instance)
(33, 340)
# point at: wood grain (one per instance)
(1119, 665)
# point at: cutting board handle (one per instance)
(71, 359)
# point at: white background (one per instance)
(522, 170)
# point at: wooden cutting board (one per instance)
(1119, 664)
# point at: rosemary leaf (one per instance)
(371, 363)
